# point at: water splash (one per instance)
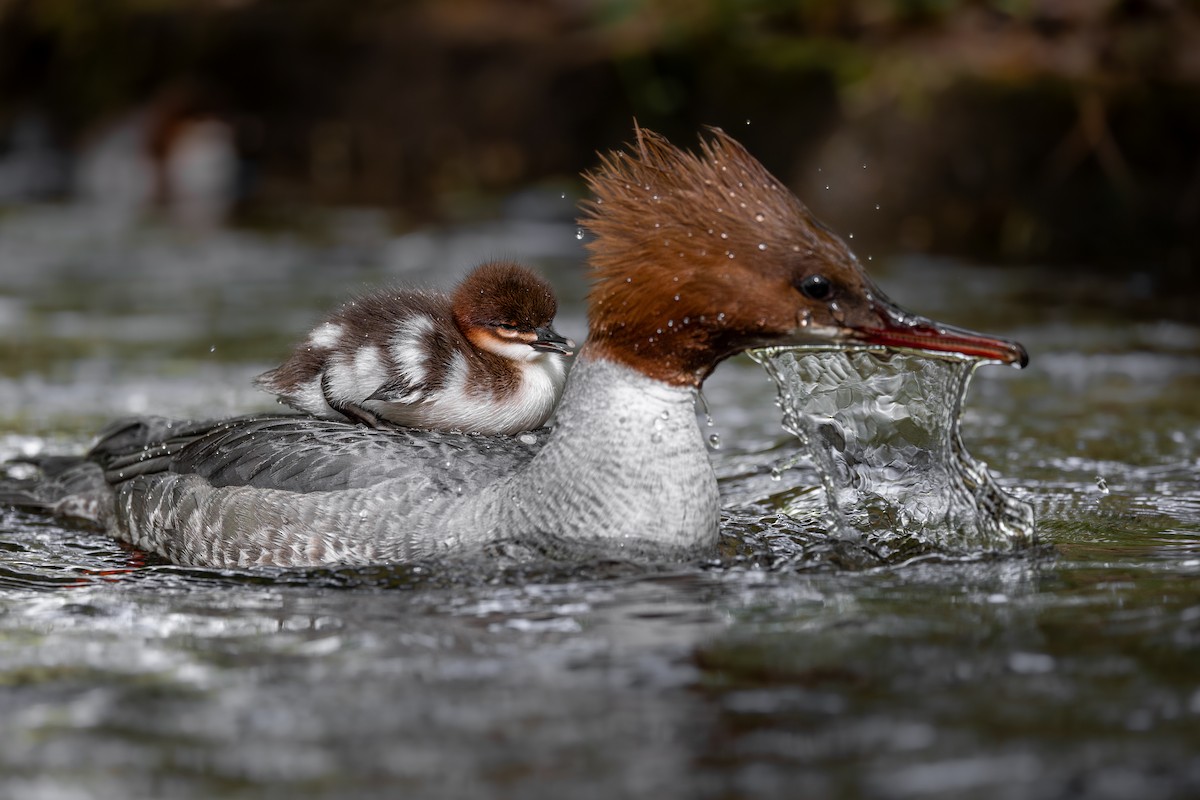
(882, 427)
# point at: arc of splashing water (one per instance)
(882, 428)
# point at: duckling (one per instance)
(483, 360)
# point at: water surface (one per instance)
(791, 666)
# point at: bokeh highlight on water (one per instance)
(882, 428)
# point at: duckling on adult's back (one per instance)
(695, 257)
(484, 360)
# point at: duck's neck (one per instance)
(625, 464)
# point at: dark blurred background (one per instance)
(1062, 132)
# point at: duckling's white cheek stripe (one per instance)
(326, 335)
(515, 351)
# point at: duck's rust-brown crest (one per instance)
(697, 256)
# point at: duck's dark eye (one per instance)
(504, 326)
(817, 287)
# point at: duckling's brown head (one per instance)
(504, 308)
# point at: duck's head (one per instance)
(504, 308)
(698, 256)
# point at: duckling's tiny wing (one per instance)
(399, 391)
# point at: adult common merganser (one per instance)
(484, 360)
(695, 257)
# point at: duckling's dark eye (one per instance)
(504, 326)
(817, 287)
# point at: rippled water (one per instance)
(882, 429)
(792, 666)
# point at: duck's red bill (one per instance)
(904, 330)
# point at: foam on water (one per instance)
(882, 428)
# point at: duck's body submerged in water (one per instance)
(695, 257)
(484, 360)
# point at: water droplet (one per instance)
(759, 217)
(827, 186)
(1101, 484)
(864, 166)
(852, 236)
(762, 246)
(665, 414)
(729, 253)
(563, 196)
(724, 235)
(805, 318)
(579, 233)
(714, 441)
(747, 122)
(676, 298)
(670, 323)
(877, 206)
(212, 349)
(721, 317)
(776, 473)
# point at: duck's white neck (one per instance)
(625, 469)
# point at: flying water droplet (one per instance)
(1102, 484)
(579, 233)
(714, 441)
(212, 349)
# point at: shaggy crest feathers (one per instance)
(682, 237)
